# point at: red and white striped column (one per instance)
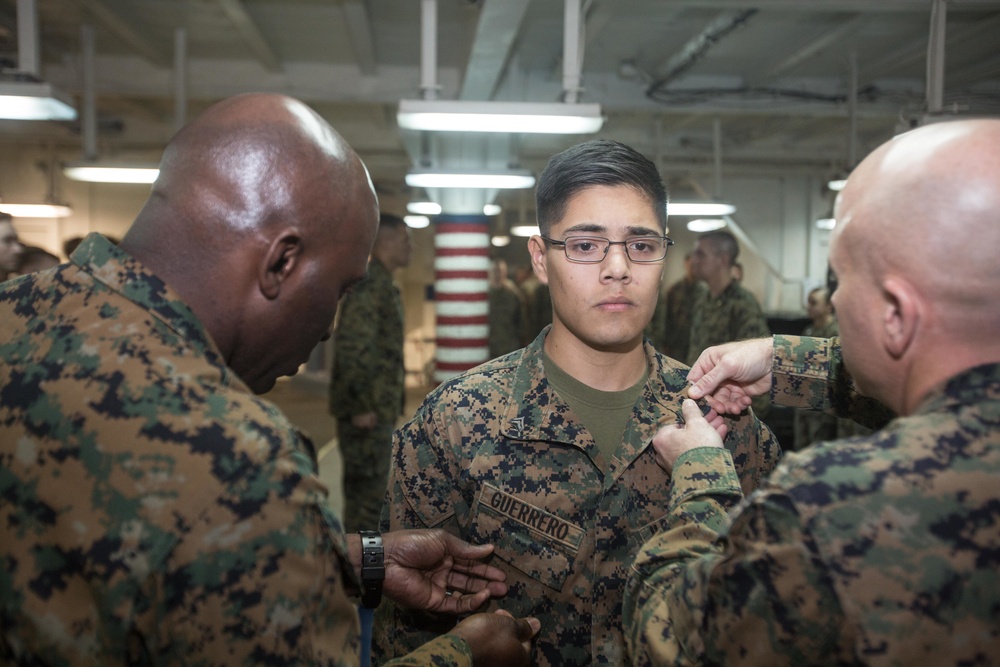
(461, 293)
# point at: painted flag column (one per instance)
(461, 293)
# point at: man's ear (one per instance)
(902, 316)
(279, 263)
(537, 249)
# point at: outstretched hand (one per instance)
(697, 431)
(729, 375)
(498, 639)
(436, 571)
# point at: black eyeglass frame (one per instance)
(624, 245)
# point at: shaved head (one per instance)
(261, 218)
(934, 214)
(918, 228)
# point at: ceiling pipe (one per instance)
(28, 57)
(717, 158)
(935, 57)
(88, 117)
(852, 110)
(698, 46)
(180, 78)
(572, 51)
(428, 49)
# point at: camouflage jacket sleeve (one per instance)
(705, 592)
(273, 568)
(810, 373)
(444, 651)
(154, 510)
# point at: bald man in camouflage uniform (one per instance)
(152, 509)
(545, 452)
(880, 549)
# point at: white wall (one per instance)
(105, 208)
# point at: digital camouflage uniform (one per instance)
(152, 510)
(507, 315)
(812, 426)
(678, 307)
(368, 376)
(733, 315)
(496, 457)
(879, 550)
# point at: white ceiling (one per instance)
(776, 73)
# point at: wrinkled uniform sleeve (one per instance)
(809, 373)
(753, 592)
(260, 574)
(158, 512)
(445, 651)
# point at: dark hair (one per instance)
(597, 162)
(6, 217)
(724, 243)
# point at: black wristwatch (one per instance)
(372, 568)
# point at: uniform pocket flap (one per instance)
(539, 543)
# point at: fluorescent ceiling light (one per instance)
(424, 207)
(500, 240)
(416, 221)
(706, 224)
(468, 116)
(837, 184)
(95, 173)
(29, 100)
(525, 230)
(699, 208)
(36, 210)
(425, 178)
(826, 223)
(491, 209)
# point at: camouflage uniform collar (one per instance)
(376, 263)
(968, 387)
(121, 273)
(536, 412)
(379, 271)
(734, 287)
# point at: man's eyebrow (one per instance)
(594, 228)
(587, 227)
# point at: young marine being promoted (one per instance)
(544, 452)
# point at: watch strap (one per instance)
(372, 568)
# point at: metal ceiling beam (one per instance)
(250, 33)
(984, 69)
(814, 47)
(496, 32)
(869, 6)
(359, 28)
(696, 47)
(135, 39)
(917, 52)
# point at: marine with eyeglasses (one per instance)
(545, 452)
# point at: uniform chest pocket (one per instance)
(529, 538)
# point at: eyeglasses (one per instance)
(593, 249)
